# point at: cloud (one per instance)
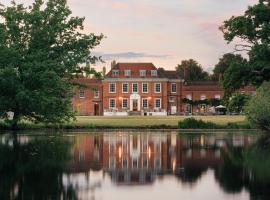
(128, 55)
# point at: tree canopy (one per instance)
(191, 70)
(253, 29)
(42, 48)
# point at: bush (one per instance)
(258, 108)
(192, 123)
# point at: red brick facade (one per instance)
(142, 89)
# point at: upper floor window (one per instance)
(157, 87)
(115, 72)
(153, 72)
(82, 94)
(125, 88)
(112, 88)
(217, 96)
(142, 73)
(145, 87)
(135, 87)
(173, 87)
(127, 72)
(96, 94)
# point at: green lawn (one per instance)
(149, 121)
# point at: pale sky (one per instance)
(163, 32)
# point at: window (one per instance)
(173, 88)
(82, 95)
(157, 87)
(157, 103)
(125, 88)
(171, 99)
(127, 72)
(135, 87)
(189, 97)
(112, 103)
(142, 73)
(112, 88)
(203, 97)
(115, 72)
(145, 103)
(153, 72)
(217, 96)
(145, 88)
(124, 103)
(96, 94)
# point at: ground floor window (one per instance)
(157, 103)
(145, 103)
(124, 103)
(112, 103)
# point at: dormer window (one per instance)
(153, 72)
(127, 72)
(142, 73)
(115, 72)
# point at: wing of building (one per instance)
(143, 89)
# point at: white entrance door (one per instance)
(135, 102)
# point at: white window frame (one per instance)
(123, 88)
(172, 88)
(81, 91)
(115, 72)
(156, 102)
(142, 73)
(110, 103)
(153, 72)
(218, 96)
(146, 87)
(147, 103)
(111, 92)
(96, 94)
(155, 89)
(123, 102)
(127, 72)
(133, 87)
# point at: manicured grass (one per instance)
(142, 121)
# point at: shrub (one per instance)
(258, 108)
(192, 123)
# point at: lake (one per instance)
(135, 166)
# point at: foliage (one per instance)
(253, 28)
(238, 101)
(224, 63)
(41, 50)
(211, 102)
(191, 70)
(192, 123)
(258, 108)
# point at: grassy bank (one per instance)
(167, 122)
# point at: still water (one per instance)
(135, 166)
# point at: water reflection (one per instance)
(91, 166)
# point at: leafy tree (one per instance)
(258, 108)
(238, 101)
(253, 28)
(224, 63)
(191, 70)
(42, 50)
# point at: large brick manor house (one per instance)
(142, 89)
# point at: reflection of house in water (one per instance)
(139, 158)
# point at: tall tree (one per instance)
(253, 28)
(224, 63)
(42, 49)
(191, 70)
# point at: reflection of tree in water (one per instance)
(34, 170)
(247, 168)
